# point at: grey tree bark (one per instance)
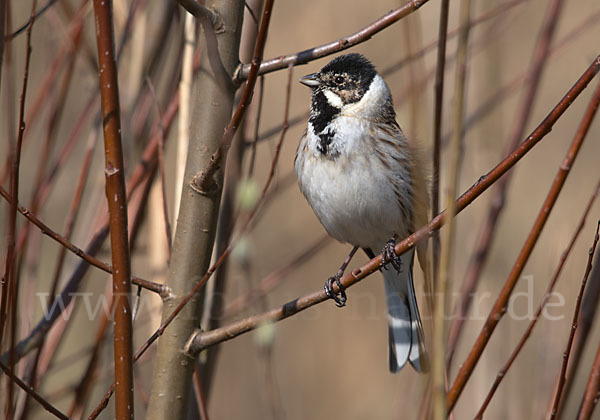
(197, 219)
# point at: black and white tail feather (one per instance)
(405, 332)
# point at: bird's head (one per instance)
(348, 84)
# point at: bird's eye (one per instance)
(339, 80)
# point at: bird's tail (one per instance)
(406, 339)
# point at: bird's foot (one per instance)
(388, 255)
(340, 297)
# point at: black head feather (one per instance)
(357, 66)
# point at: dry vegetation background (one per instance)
(327, 362)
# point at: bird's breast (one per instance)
(351, 192)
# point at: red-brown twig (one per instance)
(487, 232)
(562, 376)
(117, 207)
(31, 392)
(244, 71)
(498, 309)
(204, 182)
(547, 295)
(202, 340)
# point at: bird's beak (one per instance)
(311, 80)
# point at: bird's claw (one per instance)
(388, 255)
(340, 298)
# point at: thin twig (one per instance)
(498, 309)
(547, 295)
(202, 340)
(563, 369)
(26, 25)
(243, 72)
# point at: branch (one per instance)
(199, 340)
(117, 208)
(311, 54)
(498, 309)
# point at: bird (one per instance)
(366, 183)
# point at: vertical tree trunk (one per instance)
(197, 219)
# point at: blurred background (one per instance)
(325, 362)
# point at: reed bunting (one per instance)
(365, 182)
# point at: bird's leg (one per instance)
(388, 255)
(340, 297)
